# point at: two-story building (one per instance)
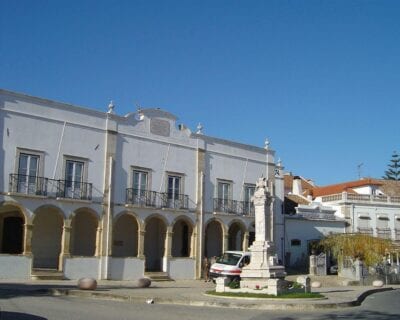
(90, 193)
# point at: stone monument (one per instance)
(263, 266)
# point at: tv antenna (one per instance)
(359, 170)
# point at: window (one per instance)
(139, 182)
(74, 179)
(223, 201)
(382, 222)
(295, 242)
(174, 197)
(139, 187)
(248, 194)
(28, 168)
(28, 173)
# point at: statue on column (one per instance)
(264, 262)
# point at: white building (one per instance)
(306, 222)
(367, 206)
(89, 193)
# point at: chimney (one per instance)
(297, 188)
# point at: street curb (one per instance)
(290, 305)
(295, 304)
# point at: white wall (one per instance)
(126, 268)
(15, 267)
(306, 230)
(182, 268)
(80, 267)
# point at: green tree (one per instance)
(393, 171)
(369, 249)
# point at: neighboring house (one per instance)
(306, 222)
(92, 193)
(369, 206)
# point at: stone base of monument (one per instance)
(269, 286)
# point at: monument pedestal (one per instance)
(263, 266)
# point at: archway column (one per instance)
(193, 251)
(28, 239)
(245, 245)
(65, 243)
(168, 243)
(141, 244)
(225, 242)
(98, 241)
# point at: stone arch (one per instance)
(84, 225)
(236, 234)
(48, 222)
(125, 235)
(214, 237)
(182, 233)
(12, 220)
(154, 242)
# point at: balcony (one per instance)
(146, 198)
(74, 190)
(367, 231)
(245, 208)
(351, 197)
(40, 186)
(384, 233)
(397, 234)
(25, 184)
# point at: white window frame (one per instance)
(39, 171)
(173, 202)
(76, 193)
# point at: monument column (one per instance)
(264, 261)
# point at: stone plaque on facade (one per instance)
(160, 127)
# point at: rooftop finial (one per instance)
(279, 164)
(111, 107)
(266, 144)
(199, 129)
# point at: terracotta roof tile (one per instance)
(345, 186)
(288, 183)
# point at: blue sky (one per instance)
(320, 79)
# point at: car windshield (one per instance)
(229, 258)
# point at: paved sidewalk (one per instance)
(189, 292)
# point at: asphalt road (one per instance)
(380, 306)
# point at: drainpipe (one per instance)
(201, 221)
(107, 257)
(59, 150)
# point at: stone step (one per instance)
(47, 274)
(158, 276)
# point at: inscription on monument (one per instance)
(160, 127)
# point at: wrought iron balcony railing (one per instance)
(234, 207)
(74, 190)
(384, 233)
(146, 198)
(20, 183)
(33, 185)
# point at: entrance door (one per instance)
(12, 235)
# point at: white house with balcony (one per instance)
(368, 205)
(90, 193)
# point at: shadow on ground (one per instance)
(5, 315)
